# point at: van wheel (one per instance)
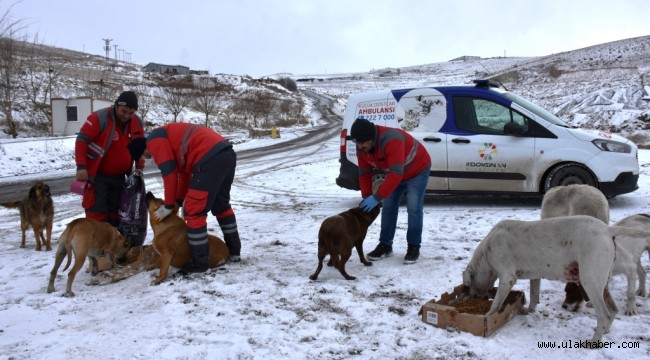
(568, 174)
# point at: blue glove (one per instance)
(368, 204)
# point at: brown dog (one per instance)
(339, 234)
(37, 211)
(170, 242)
(87, 238)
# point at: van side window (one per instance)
(485, 117)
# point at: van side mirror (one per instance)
(512, 128)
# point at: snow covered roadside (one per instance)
(266, 306)
(37, 158)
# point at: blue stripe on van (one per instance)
(449, 126)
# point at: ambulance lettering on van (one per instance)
(376, 110)
(484, 139)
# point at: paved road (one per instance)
(61, 185)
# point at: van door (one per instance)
(422, 112)
(481, 156)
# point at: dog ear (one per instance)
(121, 237)
(32, 192)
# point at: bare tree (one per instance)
(290, 113)
(146, 100)
(176, 98)
(9, 68)
(252, 104)
(206, 98)
(38, 79)
(100, 89)
(8, 24)
(288, 83)
(263, 106)
(259, 105)
(242, 106)
(10, 65)
(230, 120)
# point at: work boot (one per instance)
(200, 260)
(381, 251)
(192, 268)
(228, 226)
(234, 246)
(412, 254)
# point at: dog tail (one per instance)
(615, 230)
(611, 305)
(12, 204)
(67, 253)
(63, 241)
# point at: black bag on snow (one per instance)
(133, 211)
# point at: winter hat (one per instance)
(128, 99)
(362, 130)
(136, 147)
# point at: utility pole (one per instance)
(107, 46)
(115, 45)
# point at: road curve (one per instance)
(60, 185)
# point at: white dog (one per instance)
(575, 199)
(632, 241)
(571, 248)
(636, 248)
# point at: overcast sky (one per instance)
(265, 37)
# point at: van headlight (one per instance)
(610, 145)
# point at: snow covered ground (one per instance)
(266, 306)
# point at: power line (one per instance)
(107, 46)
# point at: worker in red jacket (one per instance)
(406, 164)
(198, 168)
(107, 145)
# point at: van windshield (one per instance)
(535, 109)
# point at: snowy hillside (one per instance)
(603, 86)
(598, 87)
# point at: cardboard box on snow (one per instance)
(441, 314)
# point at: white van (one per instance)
(486, 140)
